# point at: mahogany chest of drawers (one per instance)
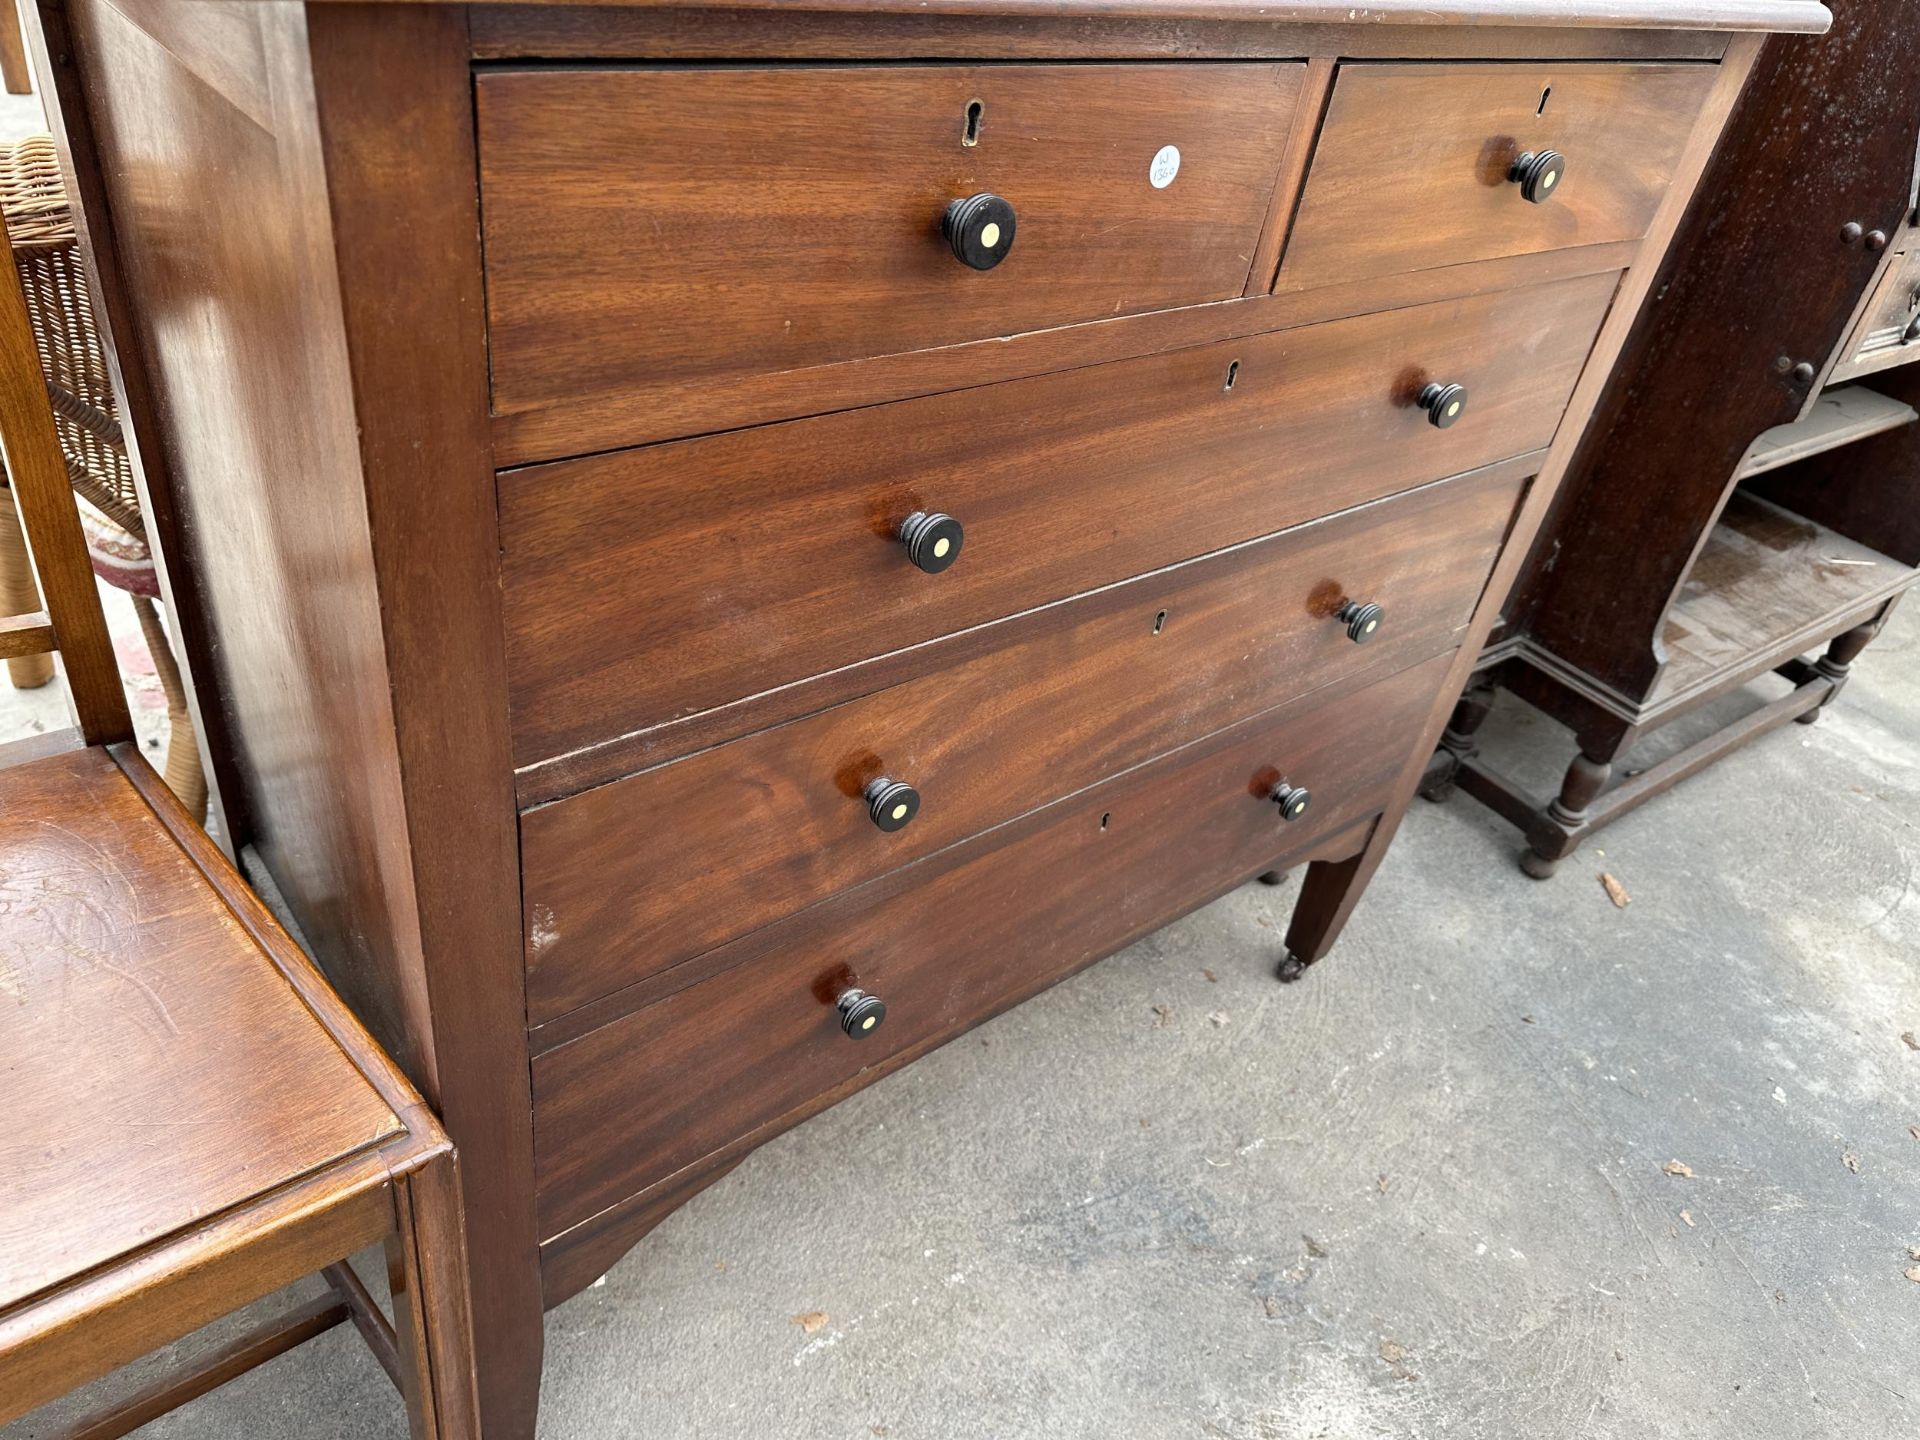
(721, 546)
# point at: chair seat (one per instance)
(158, 1068)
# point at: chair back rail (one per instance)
(71, 620)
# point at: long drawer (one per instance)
(628, 879)
(651, 584)
(706, 223)
(1416, 163)
(947, 944)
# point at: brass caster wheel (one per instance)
(1274, 877)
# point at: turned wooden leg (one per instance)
(1835, 664)
(18, 594)
(432, 1308)
(184, 774)
(1328, 893)
(1558, 834)
(1457, 742)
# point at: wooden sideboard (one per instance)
(1745, 496)
(714, 559)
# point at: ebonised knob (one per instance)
(1444, 404)
(933, 540)
(891, 803)
(860, 1013)
(980, 230)
(1538, 174)
(1293, 800)
(1361, 620)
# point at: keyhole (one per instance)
(1544, 96)
(1233, 374)
(1105, 818)
(1159, 622)
(971, 136)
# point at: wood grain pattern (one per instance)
(393, 120)
(109, 949)
(669, 409)
(1767, 585)
(1322, 925)
(1770, 15)
(1692, 392)
(1411, 170)
(69, 118)
(295, 420)
(571, 1260)
(774, 822)
(682, 1077)
(1882, 337)
(1841, 416)
(367, 274)
(196, 1119)
(252, 385)
(1862, 491)
(719, 32)
(649, 585)
(36, 473)
(1316, 88)
(701, 223)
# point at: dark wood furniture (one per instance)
(33, 200)
(665, 595)
(1746, 494)
(194, 1119)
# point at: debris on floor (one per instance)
(1616, 892)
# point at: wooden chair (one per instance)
(46, 252)
(193, 1118)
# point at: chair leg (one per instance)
(18, 594)
(432, 1309)
(1834, 665)
(184, 774)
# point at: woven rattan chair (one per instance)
(33, 199)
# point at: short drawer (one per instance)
(628, 879)
(946, 944)
(653, 584)
(699, 224)
(1888, 330)
(1416, 164)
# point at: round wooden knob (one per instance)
(860, 1013)
(933, 540)
(1362, 621)
(1538, 174)
(980, 230)
(891, 803)
(1293, 800)
(1444, 404)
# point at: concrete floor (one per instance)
(1420, 1194)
